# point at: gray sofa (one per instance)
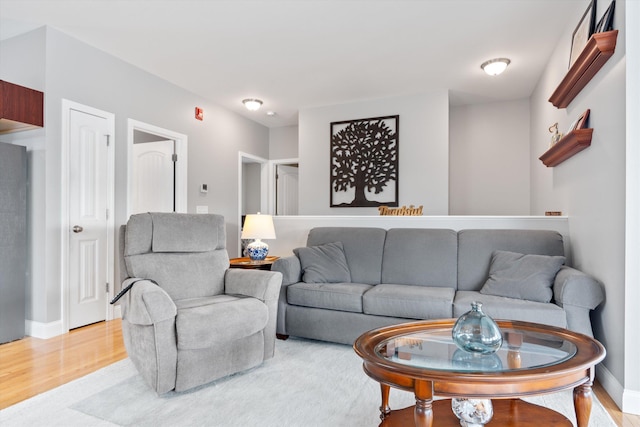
(349, 280)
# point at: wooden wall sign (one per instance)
(403, 211)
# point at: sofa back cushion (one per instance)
(475, 249)
(420, 256)
(362, 248)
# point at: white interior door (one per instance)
(286, 190)
(153, 177)
(88, 218)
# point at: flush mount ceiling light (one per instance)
(493, 67)
(252, 104)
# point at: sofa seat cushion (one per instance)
(408, 301)
(511, 308)
(225, 318)
(331, 296)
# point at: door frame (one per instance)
(264, 187)
(273, 182)
(181, 141)
(67, 107)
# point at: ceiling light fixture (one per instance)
(493, 67)
(252, 104)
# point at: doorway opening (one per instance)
(157, 164)
(284, 197)
(253, 185)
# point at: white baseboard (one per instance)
(631, 402)
(627, 400)
(610, 384)
(43, 330)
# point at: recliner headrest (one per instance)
(174, 232)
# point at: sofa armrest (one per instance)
(290, 269)
(573, 287)
(146, 303)
(263, 285)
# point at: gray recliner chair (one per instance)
(192, 320)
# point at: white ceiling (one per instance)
(307, 53)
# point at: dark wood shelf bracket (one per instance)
(599, 48)
(571, 144)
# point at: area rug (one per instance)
(307, 383)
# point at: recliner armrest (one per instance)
(147, 303)
(290, 268)
(576, 288)
(263, 285)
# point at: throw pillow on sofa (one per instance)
(528, 277)
(324, 263)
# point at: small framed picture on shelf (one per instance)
(606, 22)
(583, 31)
(580, 122)
(583, 120)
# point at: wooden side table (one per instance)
(246, 262)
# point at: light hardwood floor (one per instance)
(32, 366)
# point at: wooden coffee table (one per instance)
(534, 359)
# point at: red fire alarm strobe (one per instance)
(199, 114)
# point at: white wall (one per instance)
(631, 396)
(489, 159)
(423, 152)
(590, 186)
(283, 142)
(76, 71)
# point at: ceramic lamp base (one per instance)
(257, 250)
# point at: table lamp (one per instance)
(258, 227)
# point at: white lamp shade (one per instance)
(258, 227)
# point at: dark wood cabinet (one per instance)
(21, 108)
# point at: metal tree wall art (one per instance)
(364, 162)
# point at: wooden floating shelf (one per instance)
(598, 50)
(571, 144)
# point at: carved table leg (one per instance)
(582, 403)
(423, 415)
(384, 408)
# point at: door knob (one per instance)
(77, 229)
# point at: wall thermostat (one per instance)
(203, 188)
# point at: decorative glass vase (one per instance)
(476, 332)
(472, 412)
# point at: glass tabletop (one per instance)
(435, 350)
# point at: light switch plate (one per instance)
(202, 209)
